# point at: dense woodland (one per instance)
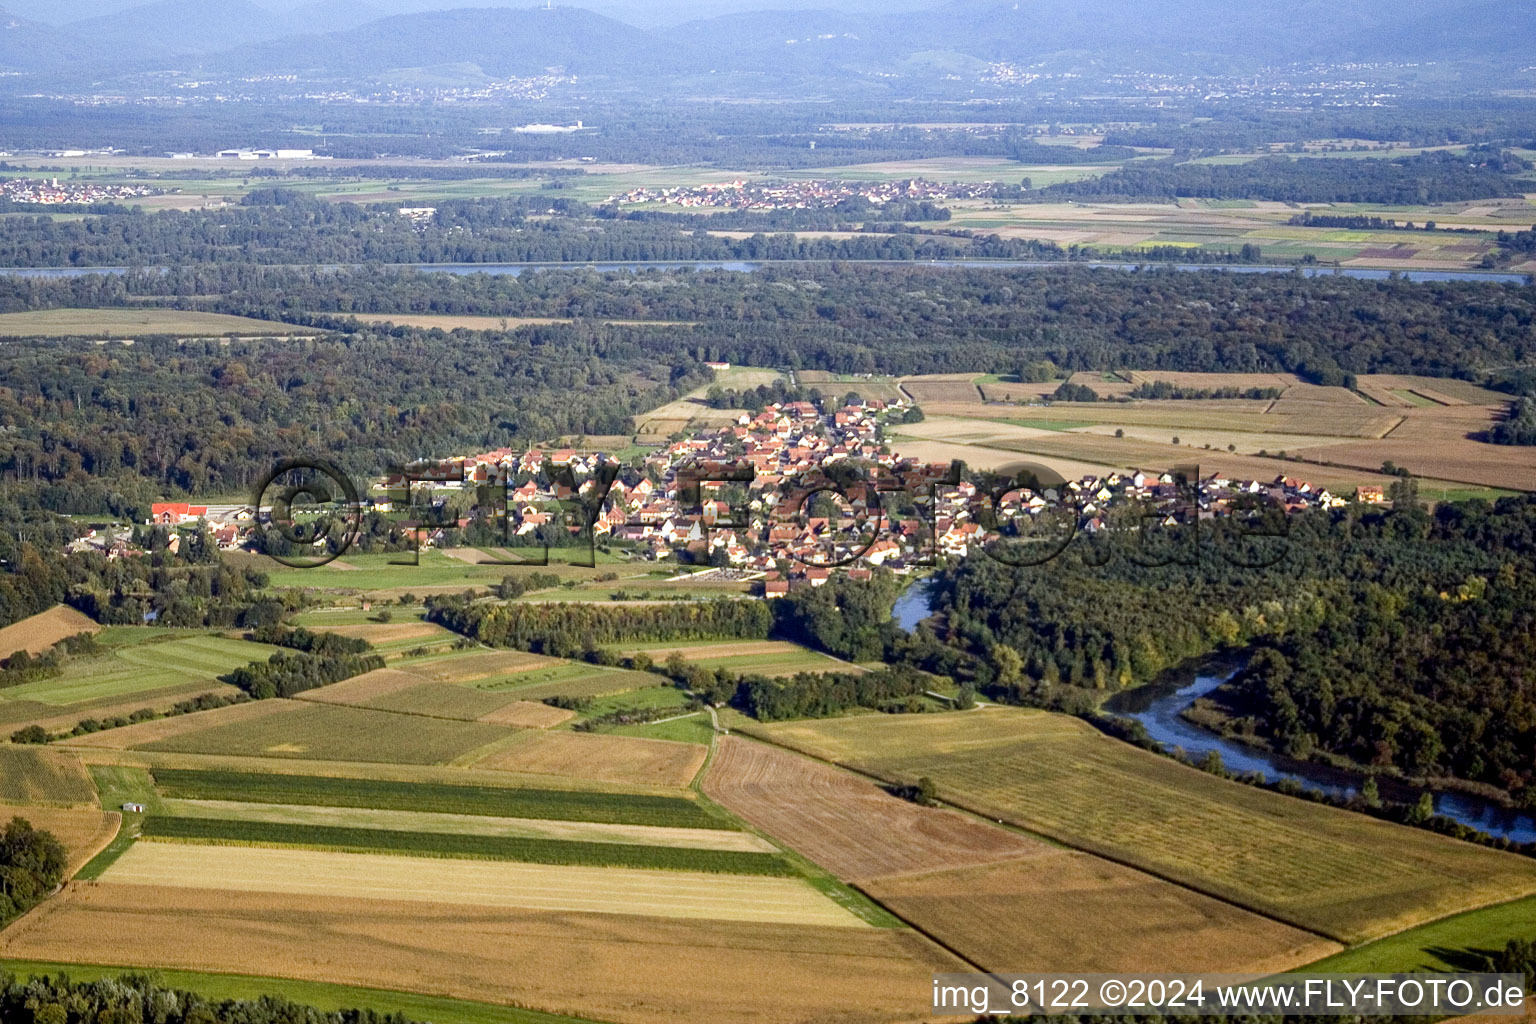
(1436, 177)
(87, 427)
(1396, 638)
(32, 863)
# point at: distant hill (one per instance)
(180, 26)
(27, 45)
(500, 41)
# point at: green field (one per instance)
(154, 662)
(477, 847)
(575, 679)
(320, 995)
(695, 728)
(493, 801)
(324, 732)
(1445, 945)
(1344, 875)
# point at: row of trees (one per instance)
(566, 629)
(284, 675)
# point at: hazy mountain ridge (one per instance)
(341, 38)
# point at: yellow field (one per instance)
(612, 967)
(1340, 874)
(83, 832)
(685, 894)
(116, 323)
(39, 632)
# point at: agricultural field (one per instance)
(604, 890)
(36, 633)
(614, 967)
(866, 386)
(40, 776)
(442, 823)
(759, 657)
(464, 795)
(406, 693)
(448, 322)
(380, 577)
(1339, 874)
(1450, 944)
(941, 387)
(142, 668)
(137, 320)
(599, 757)
(84, 832)
(304, 730)
(998, 897)
(1463, 234)
(371, 837)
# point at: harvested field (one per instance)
(941, 388)
(1211, 381)
(607, 967)
(1019, 392)
(623, 759)
(760, 657)
(364, 688)
(1341, 874)
(40, 776)
(604, 890)
(409, 694)
(463, 668)
(1076, 912)
(849, 825)
(528, 714)
(472, 825)
(116, 323)
(385, 635)
(83, 832)
(63, 717)
(438, 791)
(39, 632)
(310, 731)
(1444, 390)
(996, 896)
(447, 322)
(882, 389)
(169, 730)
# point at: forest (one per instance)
(568, 629)
(1392, 637)
(1436, 177)
(89, 427)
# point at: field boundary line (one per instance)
(1150, 872)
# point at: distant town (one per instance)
(812, 194)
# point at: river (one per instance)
(745, 266)
(1158, 708)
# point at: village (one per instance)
(54, 192)
(812, 194)
(785, 497)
